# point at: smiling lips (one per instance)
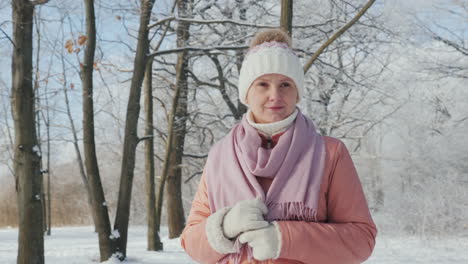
(275, 108)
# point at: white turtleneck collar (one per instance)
(270, 129)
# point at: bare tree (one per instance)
(38, 111)
(131, 137)
(27, 158)
(99, 205)
(169, 153)
(153, 239)
(175, 209)
(451, 39)
(75, 140)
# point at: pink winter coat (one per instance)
(344, 233)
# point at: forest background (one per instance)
(393, 88)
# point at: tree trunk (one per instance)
(79, 159)
(154, 241)
(131, 137)
(48, 194)
(101, 215)
(169, 150)
(175, 209)
(286, 15)
(241, 108)
(38, 109)
(27, 155)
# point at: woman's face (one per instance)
(272, 98)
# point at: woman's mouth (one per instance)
(275, 108)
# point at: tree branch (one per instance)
(230, 21)
(200, 82)
(192, 176)
(8, 37)
(337, 34)
(451, 44)
(195, 156)
(219, 21)
(177, 50)
(145, 138)
(38, 2)
(222, 87)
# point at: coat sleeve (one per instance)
(193, 239)
(348, 235)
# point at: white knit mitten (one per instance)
(227, 223)
(265, 242)
(244, 216)
(214, 232)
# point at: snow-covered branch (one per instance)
(337, 34)
(177, 50)
(231, 21)
(217, 21)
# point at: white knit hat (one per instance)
(270, 57)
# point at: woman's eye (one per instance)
(263, 84)
(286, 84)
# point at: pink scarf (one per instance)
(296, 165)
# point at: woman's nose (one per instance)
(274, 93)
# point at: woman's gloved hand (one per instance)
(245, 216)
(227, 223)
(265, 242)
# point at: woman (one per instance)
(273, 190)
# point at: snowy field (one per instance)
(78, 245)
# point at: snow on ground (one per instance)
(78, 245)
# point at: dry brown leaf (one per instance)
(118, 17)
(77, 50)
(72, 85)
(82, 40)
(69, 45)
